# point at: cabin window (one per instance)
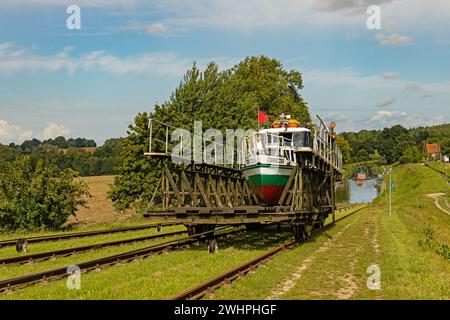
(302, 139)
(287, 139)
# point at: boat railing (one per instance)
(325, 145)
(258, 145)
(188, 146)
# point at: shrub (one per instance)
(43, 196)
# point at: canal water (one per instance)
(352, 191)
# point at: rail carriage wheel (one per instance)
(200, 228)
(302, 231)
(319, 222)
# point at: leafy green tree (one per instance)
(410, 155)
(28, 145)
(137, 179)
(344, 147)
(38, 197)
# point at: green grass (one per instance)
(268, 278)
(14, 270)
(332, 266)
(161, 276)
(76, 242)
(372, 236)
(442, 167)
(5, 235)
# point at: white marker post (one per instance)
(390, 191)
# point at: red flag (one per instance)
(262, 117)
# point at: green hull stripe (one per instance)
(265, 166)
(267, 180)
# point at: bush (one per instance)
(41, 197)
(430, 243)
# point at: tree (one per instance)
(38, 197)
(28, 145)
(344, 147)
(411, 155)
(137, 179)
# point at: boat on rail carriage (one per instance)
(272, 155)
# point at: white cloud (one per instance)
(350, 5)
(158, 63)
(13, 133)
(384, 114)
(163, 64)
(348, 77)
(253, 15)
(156, 29)
(385, 118)
(386, 102)
(390, 75)
(81, 3)
(392, 40)
(53, 130)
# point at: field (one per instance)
(99, 208)
(409, 247)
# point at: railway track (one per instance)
(12, 242)
(71, 251)
(209, 286)
(58, 273)
(350, 206)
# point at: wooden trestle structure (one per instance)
(202, 195)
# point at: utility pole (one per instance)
(390, 191)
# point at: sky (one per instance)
(130, 54)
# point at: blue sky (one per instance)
(130, 54)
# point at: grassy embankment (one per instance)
(336, 267)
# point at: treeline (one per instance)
(60, 142)
(396, 144)
(79, 154)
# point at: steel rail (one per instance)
(209, 286)
(70, 251)
(22, 281)
(12, 242)
(347, 207)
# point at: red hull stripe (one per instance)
(268, 195)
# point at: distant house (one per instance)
(433, 151)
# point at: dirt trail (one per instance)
(290, 282)
(435, 197)
(338, 261)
